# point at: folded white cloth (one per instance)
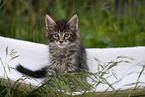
(35, 56)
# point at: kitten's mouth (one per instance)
(62, 45)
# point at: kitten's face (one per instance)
(62, 32)
(61, 39)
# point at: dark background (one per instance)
(102, 23)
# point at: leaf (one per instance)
(14, 57)
(12, 52)
(1, 60)
(113, 65)
(134, 83)
(107, 83)
(10, 67)
(126, 61)
(7, 50)
(125, 57)
(114, 74)
(97, 59)
(141, 72)
(139, 77)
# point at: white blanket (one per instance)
(35, 56)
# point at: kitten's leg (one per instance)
(50, 73)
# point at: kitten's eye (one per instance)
(66, 35)
(56, 35)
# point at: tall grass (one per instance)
(102, 23)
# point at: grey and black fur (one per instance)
(66, 53)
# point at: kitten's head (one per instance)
(62, 32)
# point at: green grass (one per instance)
(9, 88)
(101, 23)
(65, 83)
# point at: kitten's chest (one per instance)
(63, 61)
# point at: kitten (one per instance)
(66, 53)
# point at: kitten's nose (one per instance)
(61, 42)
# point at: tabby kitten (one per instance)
(66, 53)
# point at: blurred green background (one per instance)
(102, 23)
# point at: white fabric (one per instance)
(35, 56)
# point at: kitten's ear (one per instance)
(50, 23)
(73, 22)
